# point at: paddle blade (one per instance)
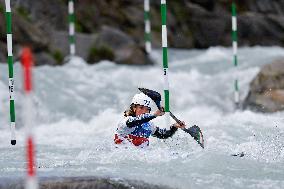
(154, 95)
(196, 133)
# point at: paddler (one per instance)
(136, 126)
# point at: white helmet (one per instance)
(142, 100)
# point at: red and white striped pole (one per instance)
(27, 62)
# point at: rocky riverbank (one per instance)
(82, 183)
(114, 30)
(267, 89)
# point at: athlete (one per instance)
(136, 126)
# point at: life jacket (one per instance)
(137, 135)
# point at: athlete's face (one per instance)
(141, 110)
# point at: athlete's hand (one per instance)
(159, 112)
(180, 125)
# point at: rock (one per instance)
(121, 48)
(3, 55)
(253, 26)
(84, 182)
(44, 58)
(25, 33)
(265, 6)
(207, 4)
(208, 29)
(83, 43)
(190, 23)
(267, 89)
(47, 15)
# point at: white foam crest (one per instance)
(78, 107)
(75, 61)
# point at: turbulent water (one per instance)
(78, 106)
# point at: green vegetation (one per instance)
(86, 19)
(78, 27)
(58, 56)
(179, 11)
(156, 28)
(241, 7)
(63, 1)
(1, 9)
(102, 53)
(23, 12)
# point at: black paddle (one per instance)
(194, 131)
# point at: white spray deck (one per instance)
(79, 105)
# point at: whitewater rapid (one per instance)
(78, 106)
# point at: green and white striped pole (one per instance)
(11, 74)
(165, 59)
(148, 47)
(71, 27)
(235, 50)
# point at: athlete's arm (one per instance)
(143, 118)
(135, 121)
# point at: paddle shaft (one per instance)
(175, 118)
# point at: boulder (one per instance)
(26, 33)
(47, 15)
(82, 183)
(43, 58)
(3, 55)
(115, 45)
(208, 29)
(60, 43)
(190, 23)
(266, 92)
(258, 29)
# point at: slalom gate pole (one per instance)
(165, 60)
(235, 50)
(148, 47)
(27, 62)
(11, 71)
(71, 19)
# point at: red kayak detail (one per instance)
(137, 141)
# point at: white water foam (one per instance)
(79, 105)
